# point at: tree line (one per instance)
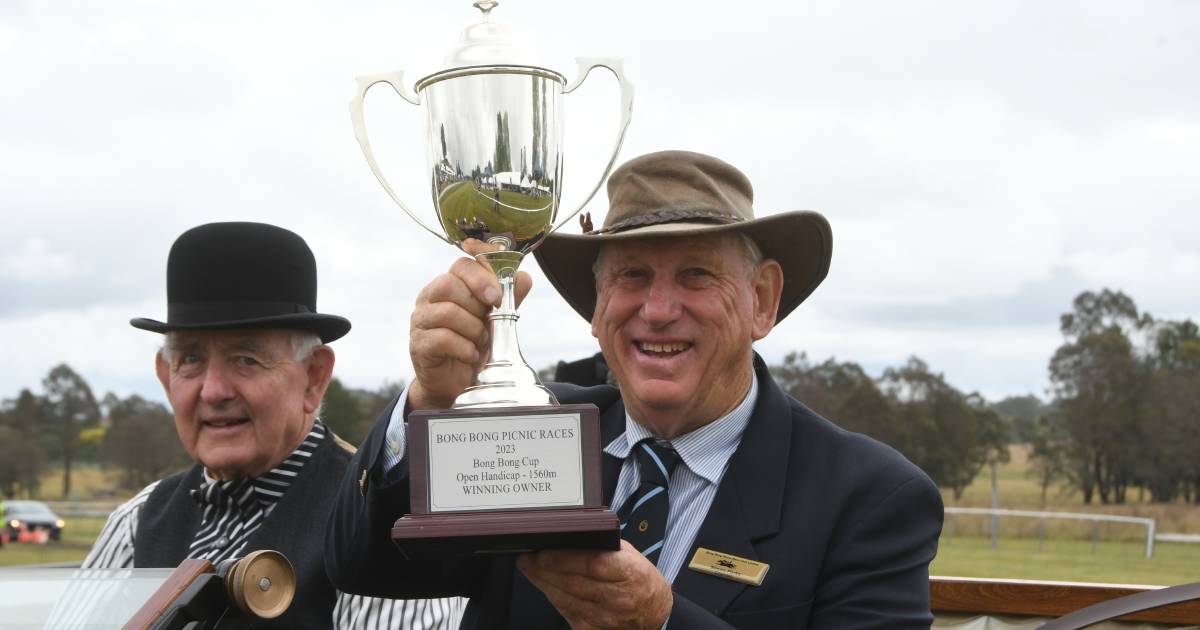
(67, 425)
(1123, 415)
(949, 434)
(1123, 412)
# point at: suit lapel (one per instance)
(612, 424)
(749, 502)
(724, 530)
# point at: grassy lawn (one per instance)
(1018, 490)
(88, 482)
(1117, 562)
(1067, 552)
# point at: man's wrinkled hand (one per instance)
(601, 589)
(448, 340)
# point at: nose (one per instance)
(661, 306)
(217, 387)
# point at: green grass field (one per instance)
(1018, 490)
(88, 482)
(1066, 553)
(1118, 562)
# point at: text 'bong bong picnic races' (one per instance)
(507, 470)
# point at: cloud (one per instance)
(980, 163)
(34, 262)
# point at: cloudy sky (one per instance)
(981, 163)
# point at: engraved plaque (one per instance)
(529, 461)
(505, 481)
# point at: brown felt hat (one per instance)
(681, 193)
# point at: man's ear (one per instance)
(319, 371)
(164, 372)
(768, 286)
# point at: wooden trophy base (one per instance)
(467, 533)
(505, 481)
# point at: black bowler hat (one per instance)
(243, 275)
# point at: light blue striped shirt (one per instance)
(704, 455)
(704, 452)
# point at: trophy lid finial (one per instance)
(486, 7)
(490, 43)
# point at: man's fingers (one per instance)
(559, 585)
(479, 280)
(450, 316)
(595, 565)
(432, 348)
(606, 589)
(451, 287)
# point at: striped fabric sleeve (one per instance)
(358, 612)
(113, 548)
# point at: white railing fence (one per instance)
(1095, 519)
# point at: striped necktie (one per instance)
(644, 515)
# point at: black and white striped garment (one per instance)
(232, 510)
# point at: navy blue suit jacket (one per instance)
(847, 525)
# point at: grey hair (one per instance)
(751, 252)
(303, 343)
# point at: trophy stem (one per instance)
(506, 379)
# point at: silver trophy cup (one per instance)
(494, 133)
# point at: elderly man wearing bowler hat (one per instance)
(740, 507)
(244, 365)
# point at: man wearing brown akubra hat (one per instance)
(245, 365)
(740, 507)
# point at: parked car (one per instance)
(25, 518)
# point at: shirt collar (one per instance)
(269, 487)
(705, 450)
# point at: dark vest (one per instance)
(296, 528)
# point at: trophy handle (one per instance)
(617, 67)
(364, 83)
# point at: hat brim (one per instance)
(800, 241)
(327, 327)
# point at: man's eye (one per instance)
(247, 361)
(189, 359)
(696, 272)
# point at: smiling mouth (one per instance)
(227, 422)
(663, 349)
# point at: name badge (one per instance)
(729, 567)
